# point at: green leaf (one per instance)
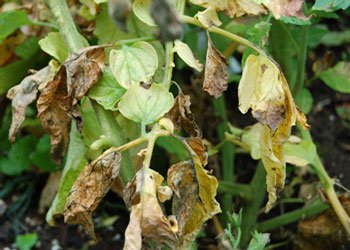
(26, 241)
(259, 241)
(142, 11)
(106, 31)
(336, 38)
(338, 77)
(316, 33)
(294, 20)
(331, 5)
(144, 105)
(17, 159)
(174, 147)
(11, 21)
(74, 165)
(185, 53)
(41, 156)
(107, 90)
(139, 28)
(54, 45)
(305, 151)
(304, 100)
(133, 64)
(28, 48)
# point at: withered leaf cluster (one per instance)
(59, 94)
(193, 190)
(91, 186)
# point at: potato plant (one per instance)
(114, 89)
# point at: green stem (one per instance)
(307, 211)
(251, 208)
(44, 24)
(134, 40)
(112, 130)
(235, 189)
(301, 60)
(169, 61)
(68, 30)
(224, 33)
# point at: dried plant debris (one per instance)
(24, 94)
(181, 115)
(89, 189)
(264, 89)
(216, 71)
(59, 97)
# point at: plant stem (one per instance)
(224, 33)
(301, 60)
(134, 40)
(169, 61)
(113, 132)
(68, 30)
(235, 189)
(307, 211)
(44, 24)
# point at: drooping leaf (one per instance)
(338, 77)
(209, 17)
(142, 9)
(91, 186)
(74, 165)
(107, 90)
(264, 89)
(145, 104)
(147, 218)
(216, 71)
(10, 21)
(54, 45)
(185, 53)
(331, 5)
(24, 94)
(164, 15)
(133, 64)
(181, 115)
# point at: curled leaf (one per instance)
(24, 94)
(264, 89)
(147, 215)
(181, 115)
(186, 54)
(145, 104)
(89, 189)
(216, 71)
(209, 17)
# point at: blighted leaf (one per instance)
(208, 17)
(237, 8)
(198, 147)
(185, 53)
(54, 107)
(216, 71)
(181, 115)
(107, 90)
(285, 8)
(83, 71)
(89, 189)
(264, 89)
(54, 45)
(133, 64)
(24, 94)
(338, 77)
(142, 9)
(165, 16)
(74, 165)
(145, 104)
(147, 215)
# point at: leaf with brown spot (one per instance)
(89, 189)
(181, 115)
(216, 71)
(24, 94)
(286, 8)
(83, 71)
(54, 107)
(264, 89)
(141, 194)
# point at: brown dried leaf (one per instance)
(83, 71)
(198, 147)
(54, 108)
(181, 115)
(133, 233)
(24, 94)
(89, 189)
(237, 8)
(141, 194)
(216, 71)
